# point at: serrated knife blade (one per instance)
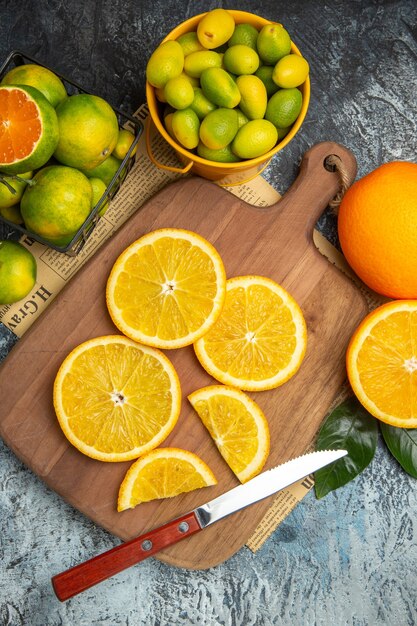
(83, 576)
(264, 485)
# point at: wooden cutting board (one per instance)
(274, 242)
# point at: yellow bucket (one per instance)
(223, 173)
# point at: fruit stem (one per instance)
(15, 177)
(27, 181)
(9, 187)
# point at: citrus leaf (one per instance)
(402, 443)
(350, 427)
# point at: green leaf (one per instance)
(351, 427)
(402, 443)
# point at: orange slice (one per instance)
(167, 289)
(163, 473)
(28, 129)
(260, 338)
(116, 399)
(382, 363)
(237, 425)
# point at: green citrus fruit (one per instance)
(244, 34)
(179, 92)
(88, 131)
(254, 139)
(222, 155)
(29, 129)
(124, 141)
(283, 132)
(39, 77)
(57, 204)
(17, 272)
(7, 197)
(220, 88)
(160, 94)
(241, 118)
(98, 187)
(219, 128)
(284, 107)
(105, 171)
(12, 214)
(201, 105)
(193, 80)
(273, 43)
(185, 126)
(168, 124)
(290, 71)
(253, 96)
(215, 28)
(196, 62)
(264, 72)
(189, 43)
(241, 59)
(166, 62)
(103, 209)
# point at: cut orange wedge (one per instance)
(167, 289)
(115, 399)
(163, 473)
(237, 425)
(260, 338)
(382, 363)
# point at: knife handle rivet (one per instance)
(146, 545)
(183, 527)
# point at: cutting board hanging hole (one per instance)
(333, 163)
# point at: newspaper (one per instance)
(143, 181)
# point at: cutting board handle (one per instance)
(315, 186)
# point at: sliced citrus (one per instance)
(237, 425)
(116, 399)
(163, 473)
(382, 363)
(260, 338)
(28, 129)
(167, 289)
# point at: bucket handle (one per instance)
(170, 168)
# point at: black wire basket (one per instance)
(125, 121)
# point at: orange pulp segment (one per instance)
(163, 473)
(237, 425)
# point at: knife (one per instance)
(83, 576)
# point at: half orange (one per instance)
(382, 363)
(28, 129)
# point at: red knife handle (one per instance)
(81, 577)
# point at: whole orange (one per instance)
(377, 228)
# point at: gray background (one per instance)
(349, 559)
